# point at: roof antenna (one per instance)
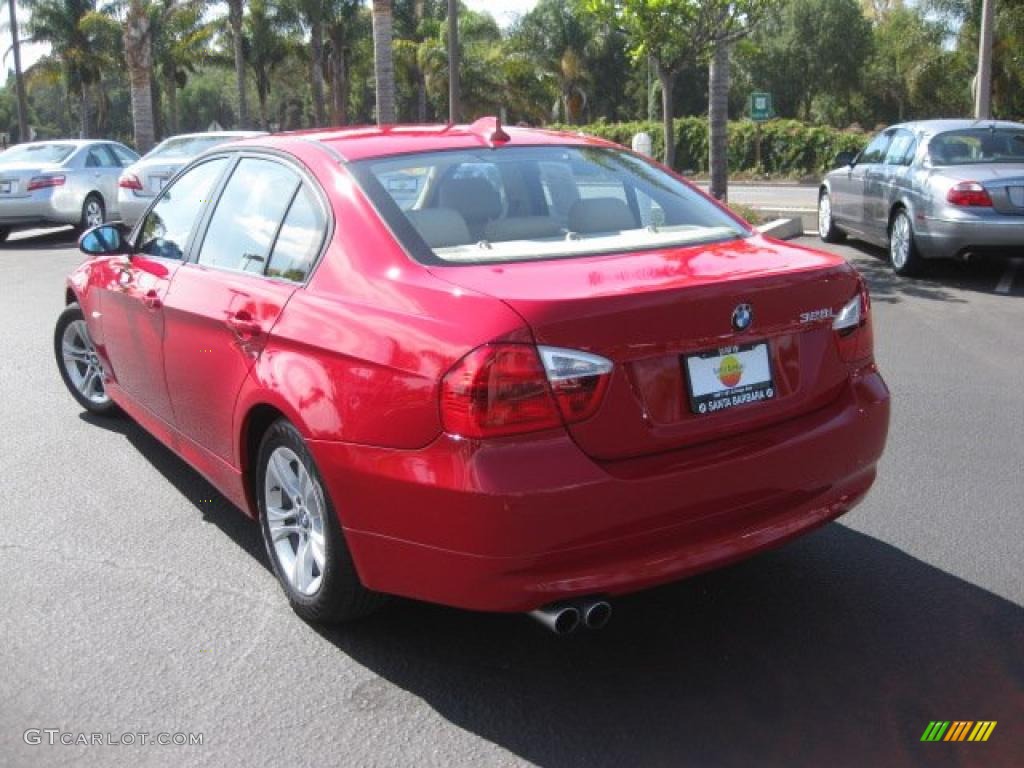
(499, 135)
(490, 130)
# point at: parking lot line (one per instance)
(1006, 281)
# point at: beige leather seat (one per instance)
(440, 227)
(522, 228)
(600, 214)
(475, 199)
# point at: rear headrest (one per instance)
(600, 214)
(440, 227)
(522, 228)
(475, 198)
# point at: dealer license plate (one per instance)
(728, 377)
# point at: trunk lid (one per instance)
(648, 311)
(14, 177)
(1004, 184)
(154, 175)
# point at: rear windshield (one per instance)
(187, 147)
(977, 145)
(534, 203)
(37, 153)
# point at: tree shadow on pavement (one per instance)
(834, 651)
(940, 280)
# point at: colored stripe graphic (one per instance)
(958, 730)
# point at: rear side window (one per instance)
(101, 157)
(248, 215)
(299, 240)
(166, 228)
(124, 156)
(535, 203)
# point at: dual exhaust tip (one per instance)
(565, 618)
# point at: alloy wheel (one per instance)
(82, 364)
(295, 520)
(93, 213)
(899, 242)
(824, 216)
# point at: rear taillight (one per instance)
(507, 389)
(852, 326)
(129, 181)
(969, 194)
(42, 182)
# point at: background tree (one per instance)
(138, 53)
(383, 61)
(19, 77)
(236, 12)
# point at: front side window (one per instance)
(977, 146)
(535, 203)
(876, 150)
(248, 214)
(166, 228)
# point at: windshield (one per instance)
(187, 146)
(37, 153)
(977, 145)
(533, 203)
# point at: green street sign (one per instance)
(761, 106)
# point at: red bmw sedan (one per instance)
(501, 370)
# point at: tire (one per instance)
(827, 229)
(78, 363)
(297, 516)
(94, 212)
(904, 258)
(5, 232)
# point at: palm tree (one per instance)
(138, 54)
(267, 48)
(310, 15)
(180, 42)
(83, 40)
(340, 21)
(383, 61)
(19, 78)
(236, 10)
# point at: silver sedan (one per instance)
(47, 183)
(140, 183)
(929, 190)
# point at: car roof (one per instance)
(933, 127)
(215, 134)
(361, 142)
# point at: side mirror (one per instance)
(844, 159)
(103, 240)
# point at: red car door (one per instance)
(223, 304)
(136, 288)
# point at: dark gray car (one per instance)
(930, 189)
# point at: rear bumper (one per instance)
(41, 207)
(131, 207)
(510, 526)
(938, 238)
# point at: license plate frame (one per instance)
(701, 369)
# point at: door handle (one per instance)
(242, 324)
(152, 299)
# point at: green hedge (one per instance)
(788, 147)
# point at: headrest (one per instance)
(600, 214)
(522, 228)
(475, 198)
(440, 227)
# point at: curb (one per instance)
(782, 229)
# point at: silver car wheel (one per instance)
(82, 364)
(295, 520)
(93, 212)
(899, 241)
(824, 216)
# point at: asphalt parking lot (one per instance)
(136, 600)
